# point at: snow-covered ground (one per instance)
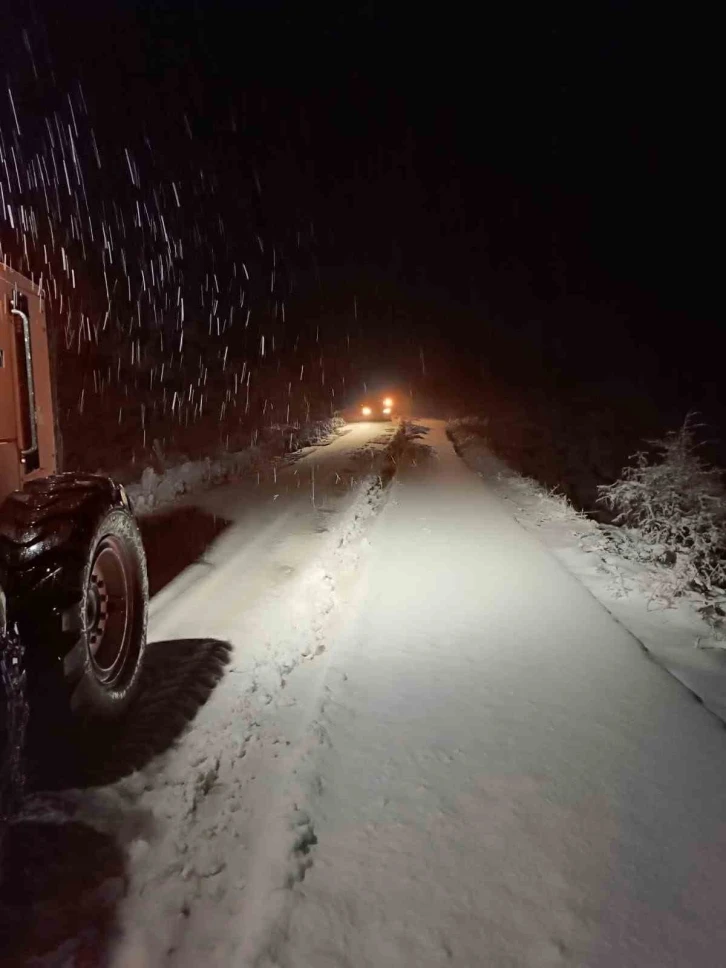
(158, 488)
(432, 746)
(672, 630)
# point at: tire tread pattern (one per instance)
(47, 534)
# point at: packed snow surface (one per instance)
(433, 746)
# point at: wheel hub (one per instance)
(109, 608)
(96, 611)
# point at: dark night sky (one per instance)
(546, 170)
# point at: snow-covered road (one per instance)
(503, 777)
(432, 747)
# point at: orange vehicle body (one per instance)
(74, 590)
(28, 440)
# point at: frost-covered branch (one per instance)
(674, 507)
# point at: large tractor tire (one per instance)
(77, 592)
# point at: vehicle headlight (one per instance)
(366, 411)
(387, 403)
(386, 409)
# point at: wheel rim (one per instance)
(110, 609)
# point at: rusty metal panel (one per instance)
(8, 417)
(9, 469)
(27, 418)
(43, 389)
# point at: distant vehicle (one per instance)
(373, 410)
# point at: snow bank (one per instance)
(159, 487)
(672, 630)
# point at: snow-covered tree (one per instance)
(676, 505)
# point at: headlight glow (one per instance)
(366, 411)
(387, 403)
(386, 409)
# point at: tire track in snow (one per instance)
(285, 851)
(232, 843)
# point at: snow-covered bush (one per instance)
(172, 478)
(462, 429)
(674, 506)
